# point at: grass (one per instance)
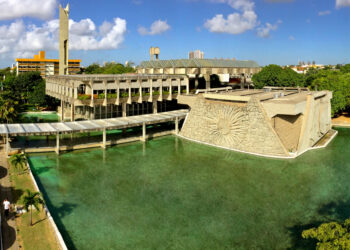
(41, 234)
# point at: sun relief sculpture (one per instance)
(227, 125)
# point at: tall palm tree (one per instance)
(32, 199)
(18, 160)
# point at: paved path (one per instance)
(8, 225)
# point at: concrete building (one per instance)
(63, 40)
(269, 122)
(197, 54)
(201, 71)
(110, 96)
(46, 67)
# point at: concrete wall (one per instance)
(240, 127)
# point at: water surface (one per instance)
(170, 193)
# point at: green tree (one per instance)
(30, 200)
(18, 160)
(330, 236)
(274, 75)
(8, 109)
(345, 68)
(339, 84)
(109, 68)
(38, 95)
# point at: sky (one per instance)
(267, 31)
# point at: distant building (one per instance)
(197, 54)
(46, 67)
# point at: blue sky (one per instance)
(267, 31)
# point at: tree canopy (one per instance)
(330, 236)
(109, 68)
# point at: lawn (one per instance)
(41, 234)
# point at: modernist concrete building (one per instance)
(46, 67)
(269, 122)
(109, 96)
(200, 71)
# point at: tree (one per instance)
(30, 200)
(274, 75)
(345, 68)
(330, 235)
(109, 68)
(37, 96)
(268, 76)
(18, 160)
(336, 82)
(8, 109)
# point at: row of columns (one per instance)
(104, 136)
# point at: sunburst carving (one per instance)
(227, 125)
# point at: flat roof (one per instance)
(199, 63)
(26, 129)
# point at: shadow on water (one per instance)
(58, 213)
(332, 211)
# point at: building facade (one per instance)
(197, 54)
(201, 71)
(46, 67)
(110, 96)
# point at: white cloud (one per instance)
(243, 5)
(157, 27)
(234, 24)
(264, 31)
(291, 38)
(342, 3)
(237, 22)
(12, 9)
(21, 40)
(324, 13)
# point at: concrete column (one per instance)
(72, 110)
(170, 88)
(177, 125)
(58, 143)
(7, 144)
(179, 86)
(207, 81)
(155, 107)
(62, 110)
(196, 83)
(143, 131)
(124, 109)
(118, 93)
(104, 138)
(160, 81)
(75, 93)
(151, 89)
(187, 81)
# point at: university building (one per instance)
(46, 67)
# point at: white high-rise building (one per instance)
(197, 54)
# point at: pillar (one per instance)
(144, 131)
(177, 125)
(104, 138)
(72, 109)
(7, 144)
(124, 109)
(187, 81)
(196, 83)
(155, 107)
(62, 110)
(207, 81)
(58, 143)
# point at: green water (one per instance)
(38, 117)
(174, 194)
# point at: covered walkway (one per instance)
(58, 128)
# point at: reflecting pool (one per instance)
(170, 193)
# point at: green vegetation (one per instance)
(337, 81)
(18, 160)
(40, 235)
(109, 68)
(32, 200)
(21, 92)
(330, 236)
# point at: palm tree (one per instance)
(18, 160)
(7, 109)
(32, 199)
